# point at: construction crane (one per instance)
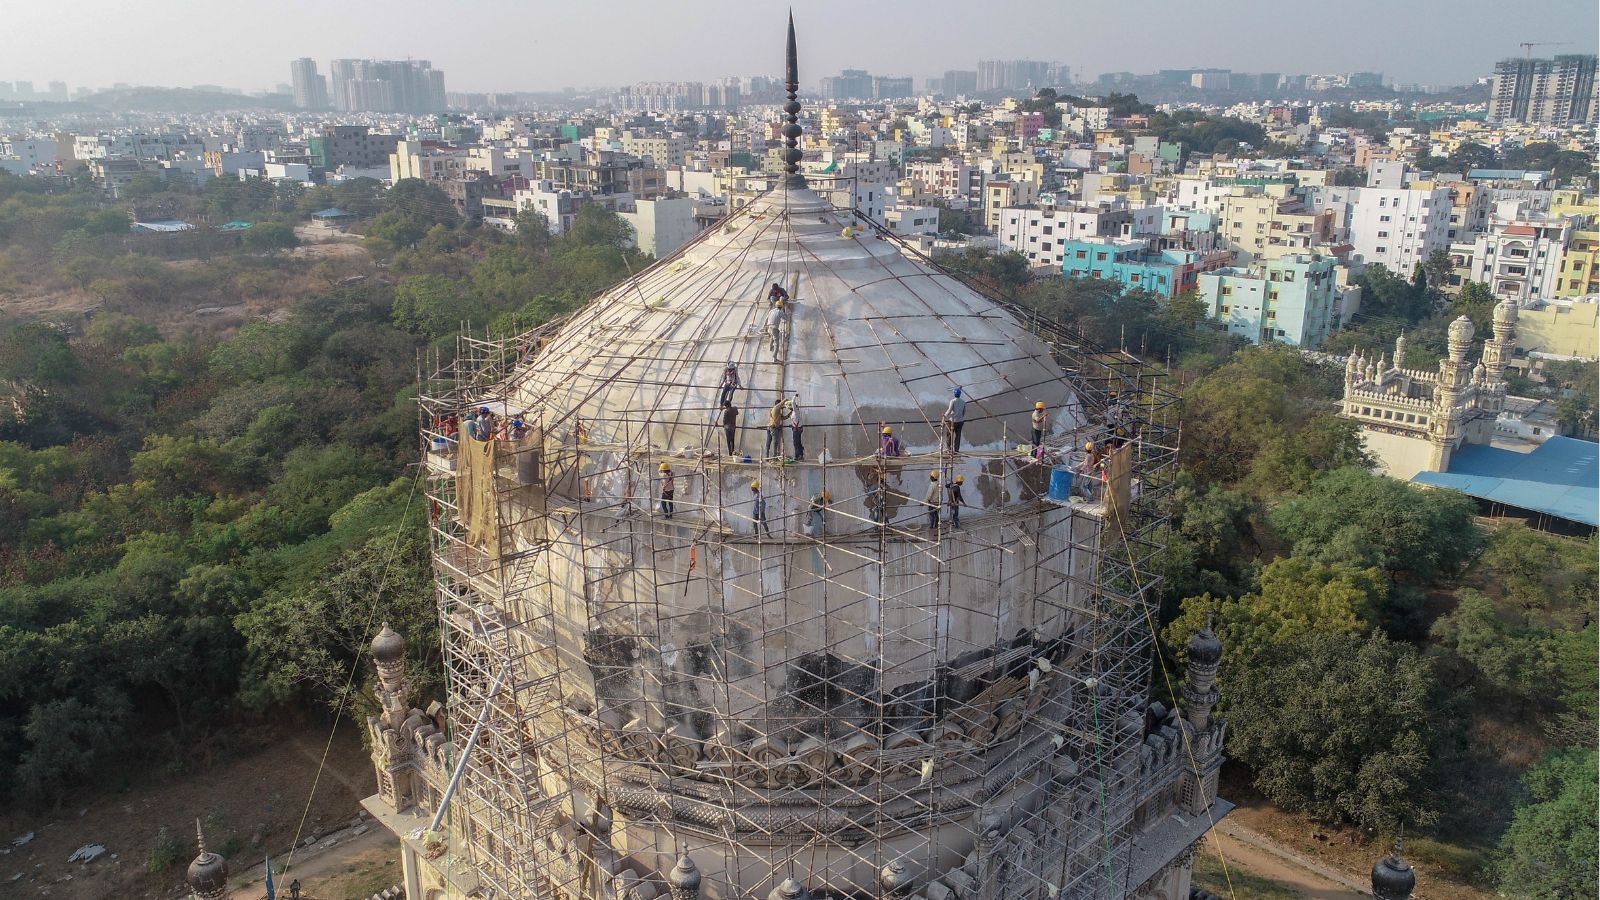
(1527, 46)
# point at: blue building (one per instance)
(1140, 264)
(1291, 299)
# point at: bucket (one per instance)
(1061, 484)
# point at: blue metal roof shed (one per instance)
(1560, 478)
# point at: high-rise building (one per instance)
(310, 88)
(849, 84)
(1011, 74)
(958, 82)
(58, 91)
(885, 87)
(376, 85)
(1556, 92)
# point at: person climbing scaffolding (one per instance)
(955, 416)
(1039, 420)
(775, 418)
(775, 326)
(730, 424)
(932, 500)
(758, 510)
(730, 383)
(668, 490)
(797, 428)
(953, 495)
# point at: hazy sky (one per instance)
(538, 45)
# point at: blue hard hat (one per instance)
(483, 409)
(956, 391)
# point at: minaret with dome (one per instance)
(674, 670)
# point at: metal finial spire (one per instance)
(199, 837)
(791, 109)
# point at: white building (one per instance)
(1519, 257)
(909, 221)
(660, 227)
(1398, 228)
(1040, 232)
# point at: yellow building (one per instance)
(1273, 224)
(1580, 265)
(1561, 327)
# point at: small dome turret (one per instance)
(388, 646)
(208, 873)
(684, 879)
(1393, 878)
(1204, 647)
(1505, 312)
(1461, 329)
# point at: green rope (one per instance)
(1100, 765)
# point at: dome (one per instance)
(1505, 312)
(874, 338)
(1204, 647)
(388, 646)
(1393, 878)
(208, 873)
(1461, 330)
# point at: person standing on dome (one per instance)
(955, 416)
(775, 417)
(730, 383)
(774, 326)
(797, 428)
(1038, 420)
(758, 510)
(955, 498)
(777, 294)
(730, 424)
(667, 490)
(933, 500)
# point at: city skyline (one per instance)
(889, 39)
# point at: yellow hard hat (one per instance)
(755, 485)
(1039, 405)
(1089, 446)
(665, 467)
(960, 479)
(888, 430)
(933, 476)
(824, 496)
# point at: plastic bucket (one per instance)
(1061, 483)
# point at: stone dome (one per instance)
(1461, 330)
(1505, 312)
(388, 646)
(1393, 878)
(1204, 648)
(874, 338)
(208, 873)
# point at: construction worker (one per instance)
(796, 428)
(774, 326)
(776, 294)
(955, 416)
(730, 423)
(953, 495)
(667, 490)
(933, 500)
(878, 502)
(1038, 420)
(819, 503)
(775, 417)
(889, 445)
(730, 383)
(758, 510)
(1091, 468)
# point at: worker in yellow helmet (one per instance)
(758, 510)
(932, 500)
(819, 503)
(953, 498)
(667, 490)
(1038, 420)
(889, 445)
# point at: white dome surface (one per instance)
(871, 337)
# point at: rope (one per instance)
(355, 667)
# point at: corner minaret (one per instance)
(1200, 687)
(208, 873)
(791, 112)
(1392, 877)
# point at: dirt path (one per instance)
(354, 867)
(1261, 856)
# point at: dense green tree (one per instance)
(1341, 727)
(271, 236)
(1354, 517)
(1549, 853)
(433, 305)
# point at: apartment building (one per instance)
(1520, 256)
(1397, 228)
(1266, 226)
(1579, 274)
(1041, 232)
(1290, 299)
(1141, 264)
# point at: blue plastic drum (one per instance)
(1061, 483)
